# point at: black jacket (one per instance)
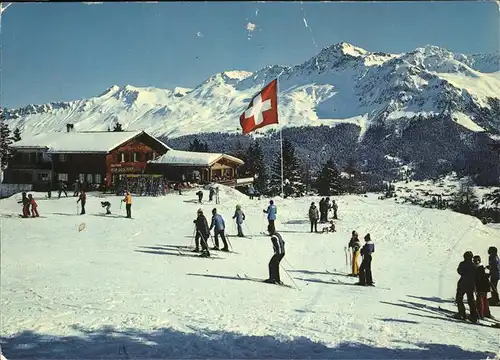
(278, 244)
(482, 281)
(202, 225)
(467, 271)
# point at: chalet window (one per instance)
(136, 157)
(122, 157)
(62, 177)
(43, 176)
(89, 179)
(81, 177)
(98, 178)
(63, 157)
(126, 157)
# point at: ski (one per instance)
(492, 321)
(246, 277)
(337, 282)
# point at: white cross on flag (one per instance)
(263, 109)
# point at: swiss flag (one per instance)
(263, 109)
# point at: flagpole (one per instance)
(281, 134)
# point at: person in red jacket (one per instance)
(83, 199)
(34, 206)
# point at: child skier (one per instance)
(83, 199)
(274, 263)
(26, 205)
(218, 225)
(465, 286)
(34, 206)
(200, 196)
(355, 244)
(107, 205)
(202, 232)
(365, 270)
(271, 212)
(482, 287)
(239, 215)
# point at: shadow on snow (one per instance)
(110, 343)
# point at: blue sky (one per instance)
(70, 51)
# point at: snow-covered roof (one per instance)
(77, 142)
(191, 158)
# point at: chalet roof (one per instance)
(80, 142)
(191, 158)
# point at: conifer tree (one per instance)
(118, 127)
(291, 173)
(5, 142)
(328, 182)
(17, 135)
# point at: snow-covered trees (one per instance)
(198, 146)
(17, 135)
(256, 167)
(118, 127)
(5, 142)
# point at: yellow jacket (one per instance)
(128, 199)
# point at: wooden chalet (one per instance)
(94, 157)
(101, 158)
(198, 167)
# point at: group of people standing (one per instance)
(29, 202)
(475, 280)
(365, 270)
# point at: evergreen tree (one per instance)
(5, 142)
(329, 182)
(17, 135)
(291, 173)
(465, 199)
(198, 146)
(351, 184)
(255, 167)
(118, 127)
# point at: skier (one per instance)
(128, 204)
(465, 286)
(203, 233)
(76, 187)
(49, 188)
(482, 287)
(218, 225)
(83, 199)
(62, 188)
(34, 206)
(274, 263)
(271, 212)
(365, 270)
(313, 217)
(335, 208)
(217, 200)
(251, 191)
(26, 205)
(355, 244)
(322, 210)
(200, 196)
(239, 215)
(107, 205)
(327, 208)
(211, 194)
(494, 268)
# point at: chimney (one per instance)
(69, 127)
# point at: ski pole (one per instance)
(194, 234)
(289, 265)
(290, 277)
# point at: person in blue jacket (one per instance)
(219, 226)
(271, 212)
(365, 270)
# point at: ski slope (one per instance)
(119, 290)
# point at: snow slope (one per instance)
(118, 289)
(341, 84)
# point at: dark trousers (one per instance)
(62, 191)
(240, 229)
(222, 236)
(335, 214)
(459, 299)
(107, 209)
(494, 291)
(128, 207)
(274, 267)
(270, 227)
(365, 271)
(204, 239)
(314, 223)
(83, 208)
(323, 216)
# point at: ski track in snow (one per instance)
(119, 286)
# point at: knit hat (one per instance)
(367, 237)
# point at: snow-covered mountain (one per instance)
(341, 84)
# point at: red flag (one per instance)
(263, 109)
